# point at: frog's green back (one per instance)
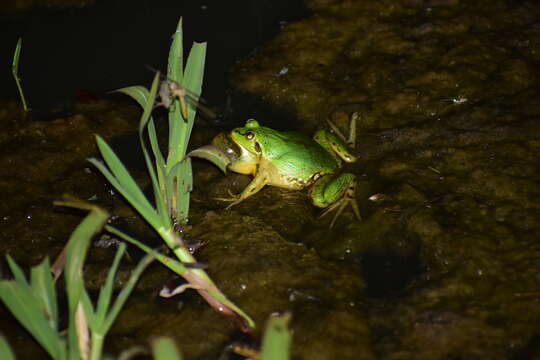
(295, 153)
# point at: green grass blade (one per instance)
(26, 307)
(124, 293)
(179, 268)
(277, 338)
(5, 350)
(137, 92)
(171, 263)
(146, 99)
(106, 290)
(149, 106)
(213, 154)
(17, 272)
(193, 79)
(16, 56)
(88, 308)
(184, 186)
(137, 200)
(175, 72)
(15, 73)
(154, 144)
(160, 161)
(145, 118)
(43, 285)
(176, 56)
(121, 174)
(164, 348)
(76, 250)
(180, 129)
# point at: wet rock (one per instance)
(262, 273)
(447, 92)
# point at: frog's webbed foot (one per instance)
(351, 139)
(340, 205)
(233, 199)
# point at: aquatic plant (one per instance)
(34, 303)
(171, 177)
(15, 73)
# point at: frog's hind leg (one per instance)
(335, 193)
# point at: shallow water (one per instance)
(445, 266)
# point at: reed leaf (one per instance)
(277, 338)
(125, 292)
(164, 348)
(5, 350)
(76, 250)
(17, 272)
(30, 310)
(105, 293)
(42, 284)
(173, 264)
(137, 92)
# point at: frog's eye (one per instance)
(250, 135)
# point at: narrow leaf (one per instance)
(193, 79)
(23, 304)
(76, 250)
(5, 350)
(160, 161)
(17, 272)
(277, 338)
(176, 56)
(124, 293)
(15, 73)
(106, 290)
(137, 92)
(120, 173)
(161, 205)
(184, 186)
(164, 348)
(43, 286)
(145, 209)
(173, 264)
(213, 154)
(83, 334)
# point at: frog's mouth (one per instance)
(224, 142)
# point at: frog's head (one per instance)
(247, 137)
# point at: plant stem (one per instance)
(202, 283)
(15, 72)
(96, 346)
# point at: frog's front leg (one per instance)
(258, 182)
(335, 192)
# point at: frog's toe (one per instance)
(340, 205)
(232, 204)
(233, 199)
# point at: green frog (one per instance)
(294, 161)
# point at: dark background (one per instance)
(95, 49)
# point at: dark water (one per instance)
(68, 53)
